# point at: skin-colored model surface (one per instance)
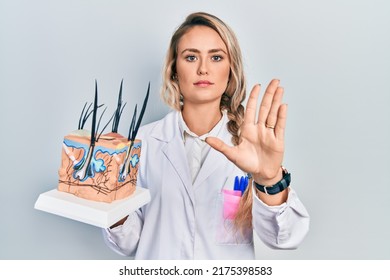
(97, 173)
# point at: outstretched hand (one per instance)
(261, 143)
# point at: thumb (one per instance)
(220, 146)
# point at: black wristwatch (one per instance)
(278, 187)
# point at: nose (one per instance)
(202, 69)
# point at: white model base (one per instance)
(95, 213)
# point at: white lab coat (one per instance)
(184, 220)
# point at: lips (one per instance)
(203, 83)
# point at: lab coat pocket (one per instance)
(231, 201)
(226, 210)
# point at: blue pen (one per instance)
(236, 184)
(241, 183)
(244, 183)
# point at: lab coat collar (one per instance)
(214, 159)
(167, 130)
(185, 131)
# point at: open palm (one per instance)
(261, 144)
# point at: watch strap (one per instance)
(278, 187)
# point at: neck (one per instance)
(201, 119)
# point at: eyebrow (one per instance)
(198, 51)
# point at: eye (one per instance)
(216, 58)
(190, 58)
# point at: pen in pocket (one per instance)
(241, 183)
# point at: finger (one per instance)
(281, 122)
(266, 102)
(276, 102)
(251, 105)
(220, 146)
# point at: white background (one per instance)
(333, 58)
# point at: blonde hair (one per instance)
(232, 98)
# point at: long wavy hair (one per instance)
(232, 98)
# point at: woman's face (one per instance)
(203, 66)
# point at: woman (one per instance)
(200, 208)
